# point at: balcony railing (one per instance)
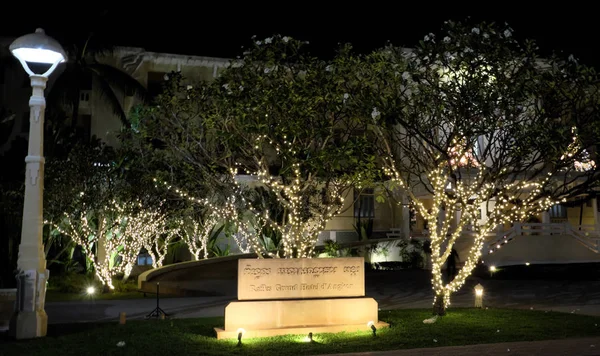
(587, 235)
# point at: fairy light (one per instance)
(467, 196)
(585, 163)
(306, 214)
(123, 229)
(196, 231)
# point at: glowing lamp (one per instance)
(240, 333)
(478, 296)
(37, 47)
(90, 290)
(309, 337)
(371, 324)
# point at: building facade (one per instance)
(567, 233)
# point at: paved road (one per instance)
(392, 290)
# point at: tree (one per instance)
(286, 119)
(99, 199)
(113, 237)
(84, 71)
(280, 116)
(478, 120)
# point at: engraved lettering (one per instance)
(257, 271)
(268, 279)
(260, 288)
(286, 287)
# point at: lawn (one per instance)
(196, 336)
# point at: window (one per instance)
(364, 203)
(144, 258)
(84, 96)
(558, 212)
(155, 83)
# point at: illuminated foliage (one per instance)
(287, 121)
(113, 237)
(280, 117)
(475, 120)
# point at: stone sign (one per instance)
(300, 278)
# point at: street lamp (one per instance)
(30, 319)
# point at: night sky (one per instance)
(220, 30)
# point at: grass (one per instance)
(196, 336)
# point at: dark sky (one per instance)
(220, 30)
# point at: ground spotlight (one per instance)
(371, 324)
(90, 290)
(240, 333)
(309, 337)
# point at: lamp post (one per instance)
(30, 319)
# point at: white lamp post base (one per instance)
(29, 325)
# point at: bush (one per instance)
(72, 282)
(124, 287)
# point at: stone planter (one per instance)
(8, 298)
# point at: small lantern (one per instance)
(478, 296)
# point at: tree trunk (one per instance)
(438, 306)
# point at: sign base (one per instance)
(279, 317)
(317, 329)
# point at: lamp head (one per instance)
(37, 47)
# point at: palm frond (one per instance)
(107, 93)
(120, 79)
(66, 90)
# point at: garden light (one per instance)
(309, 337)
(478, 296)
(90, 290)
(240, 333)
(371, 324)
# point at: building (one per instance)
(568, 233)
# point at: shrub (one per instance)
(127, 286)
(72, 282)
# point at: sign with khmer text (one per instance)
(300, 278)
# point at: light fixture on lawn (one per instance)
(371, 324)
(309, 337)
(240, 333)
(90, 290)
(478, 296)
